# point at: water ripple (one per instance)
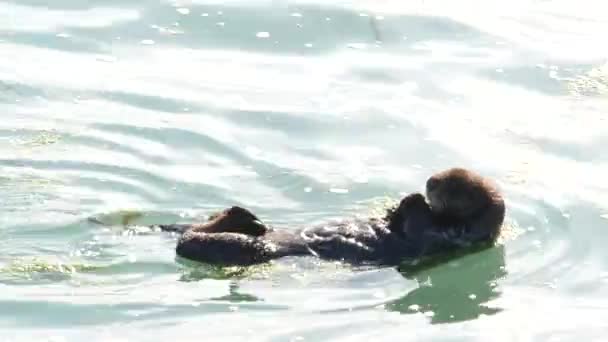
(168, 111)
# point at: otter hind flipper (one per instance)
(232, 220)
(227, 249)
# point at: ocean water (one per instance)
(303, 111)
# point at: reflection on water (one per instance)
(235, 296)
(456, 290)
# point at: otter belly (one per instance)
(354, 242)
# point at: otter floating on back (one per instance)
(463, 209)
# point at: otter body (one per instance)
(463, 209)
(354, 242)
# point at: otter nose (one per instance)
(431, 184)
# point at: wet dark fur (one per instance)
(463, 209)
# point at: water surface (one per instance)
(302, 111)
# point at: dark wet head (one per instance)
(412, 202)
(237, 220)
(459, 193)
(413, 210)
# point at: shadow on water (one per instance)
(43, 313)
(454, 291)
(213, 193)
(81, 5)
(285, 179)
(299, 29)
(592, 150)
(194, 271)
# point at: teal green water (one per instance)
(302, 112)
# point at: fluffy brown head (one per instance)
(461, 193)
(234, 220)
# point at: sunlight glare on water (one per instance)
(165, 111)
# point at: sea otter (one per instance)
(461, 209)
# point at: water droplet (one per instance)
(604, 216)
(204, 14)
(308, 45)
(262, 34)
(307, 189)
(379, 294)
(550, 285)
(360, 179)
(147, 42)
(296, 15)
(379, 17)
(108, 59)
(499, 70)
(472, 296)
(363, 15)
(56, 339)
(338, 190)
(183, 11)
(221, 23)
(63, 35)
(357, 46)
(252, 150)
